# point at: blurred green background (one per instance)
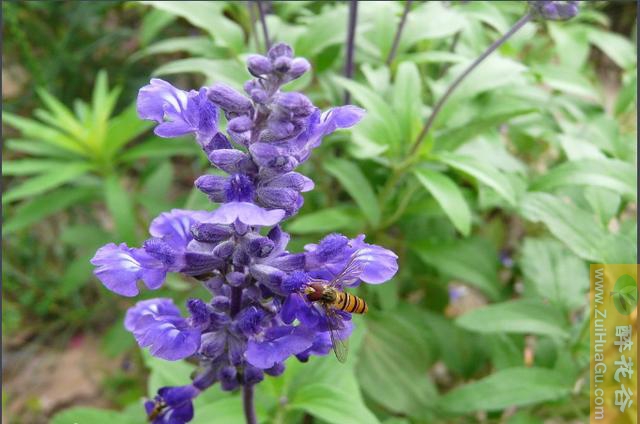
(528, 175)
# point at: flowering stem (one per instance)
(247, 403)
(396, 40)
(263, 21)
(351, 35)
(436, 109)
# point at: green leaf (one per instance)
(39, 148)
(121, 208)
(124, 128)
(44, 205)
(152, 23)
(576, 228)
(406, 100)
(471, 260)
(36, 131)
(618, 48)
(482, 172)
(326, 220)
(64, 118)
(395, 357)
(333, 404)
(380, 119)
(449, 197)
(195, 46)
(156, 147)
(227, 71)
(613, 174)
(208, 16)
(358, 187)
(321, 31)
(166, 373)
(30, 166)
(519, 316)
(222, 411)
(605, 203)
(507, 388)
(554, 271)
(46, 181)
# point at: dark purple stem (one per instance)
(263, 21)
(436, 109)
(236, 301)
(396, 40)
(351, 35)
(247, 403)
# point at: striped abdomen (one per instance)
(349, 303)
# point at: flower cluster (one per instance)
(258, 314)
(554, 10)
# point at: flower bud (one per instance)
(299, 66)
(295, 103)
(259, 65)
(229, 99)
(213, 186)
(275, 370)
(554, 10)
(280, 50)
(235, 279)
(258, 95)
(282, 64)
(212, 344)
(252, 375)
(221, 303)
(240, 124)
(211, 233)
(199, 312)
(228, 378)
(258, 246)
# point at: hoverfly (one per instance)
(333, 300)
(158, 407)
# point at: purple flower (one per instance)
(330, 257)
(120, 267)
(172, 405)
(157, 324)
(177, 111)
(278, 344)
(554, 10)
(246, 213)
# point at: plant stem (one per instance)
(236, 301)
(396, 39)
(436, 109)
(247, 404)
(351, 34)
(265, 31)
(252, 18)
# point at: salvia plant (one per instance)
(259, 313)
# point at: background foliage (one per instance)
(528, 175)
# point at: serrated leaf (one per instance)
(449, 197)
(358, 187)
(507, 388)
(525, 316)
(482, 172)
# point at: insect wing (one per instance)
(340, 346)
(349, 274)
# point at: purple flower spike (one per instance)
(157, 324)
(175, 227)
(120, 267)
(177, 111)
(554, 10)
